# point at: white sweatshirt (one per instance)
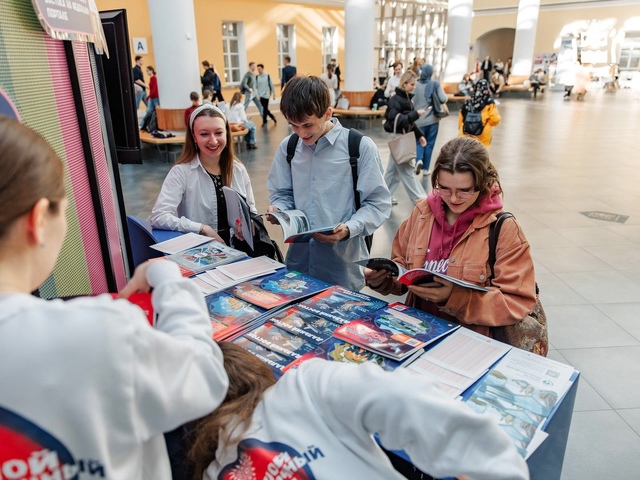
(322, 416)
(92, 386)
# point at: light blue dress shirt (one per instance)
(319, 183)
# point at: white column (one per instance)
(458, 35)
(359, 29)
(526, 25)
(173, 29)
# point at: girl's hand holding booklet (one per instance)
(416, 276)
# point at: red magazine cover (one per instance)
(143, 300)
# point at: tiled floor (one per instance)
(555, 159)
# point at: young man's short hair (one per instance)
(194, 96)
(260, 65)
(206, 64)
(287, 58)
(138, 57)
(207, 94)
(304, 96)
(251, 63)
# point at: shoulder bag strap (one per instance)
(291, 147)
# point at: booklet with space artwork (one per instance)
(296, 227)
(341, 305)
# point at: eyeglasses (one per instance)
(447, 192)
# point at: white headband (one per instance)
(201, 108)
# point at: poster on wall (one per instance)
(72, 20)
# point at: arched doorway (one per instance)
(498, 43)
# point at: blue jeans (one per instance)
(250, 137)
(256, 100)
(141, 96)
(424, 153)
(151, 106)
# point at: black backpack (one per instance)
(472, 124)
(355, 137)
(151, 123)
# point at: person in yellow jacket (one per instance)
(481, 101)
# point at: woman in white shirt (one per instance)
(87, 381)
(237, 114)
(331, 80)
(318, 422)
(191, 198)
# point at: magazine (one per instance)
(181, 243)
(520, 392)
(311, 327)
(204, 257)
(229, 314)
(278, 288)
(280, 341)
(274, 360)
(396, 331)
(341, 305)
(238, 211)
(416, 276)
(339, 351)
(296, 227)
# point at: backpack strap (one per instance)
(494, 233)
(355, 137)
(291, 147)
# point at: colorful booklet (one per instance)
(280, 341)
(204, 257)
(295, 226)
(338, 351)
(416, 276)
(306, 325)
(229, 314)
(396, 331)
(274, 360)
(278, 289)
(341, 305)
(520, 392)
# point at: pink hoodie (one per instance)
(444, 236)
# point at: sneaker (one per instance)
(419, 165)
(252, 146)
(394, 201)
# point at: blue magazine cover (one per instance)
(395, 331)
(280, 341)
(341, 305)
(338, 351)
(311, 327)
(229, 314)
(278, 289)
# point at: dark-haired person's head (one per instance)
(206, 64)
(467, 155)
(194, 96)
(305, 96)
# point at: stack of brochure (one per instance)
(397, 331)
(459, 360)
(205, 257)
(231, 316)
(226, 276)
(520, 392)
(341, 305)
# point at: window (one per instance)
(232, 41)
(630, 51)
(286, 44)
(329, 45)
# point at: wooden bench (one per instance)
(360, 114)
(454, 102)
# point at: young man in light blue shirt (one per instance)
(318, 181)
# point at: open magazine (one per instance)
(295, 226)
(238, 209)
(416, 276)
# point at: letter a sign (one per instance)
(139, 46)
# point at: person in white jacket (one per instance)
(88, 386)
(318, 422)
(236, 113)
(191, 198)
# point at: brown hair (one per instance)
(206, 64)
(466, 154)
(31, 170)
(249, 378)
(237, 98)
(190, 148)
(304, 97)
(152, 69)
